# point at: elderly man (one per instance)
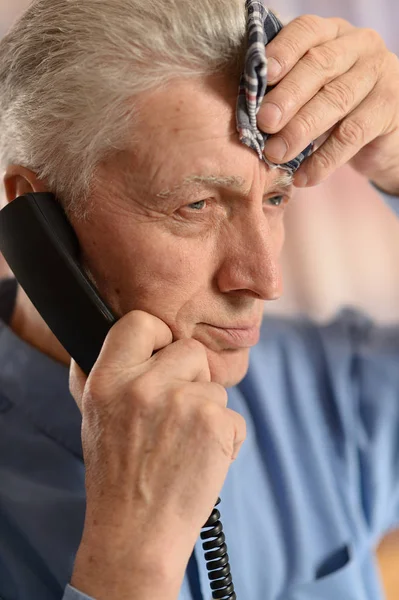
(125, 111)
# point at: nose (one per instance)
(251, 257)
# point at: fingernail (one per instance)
(270, 114)
(276, 148)
(273, 69)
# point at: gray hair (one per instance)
(70, 69)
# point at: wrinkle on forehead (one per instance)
(231, 181)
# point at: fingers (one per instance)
(318, 68)
(184, 360)
(132, 341)
(218, 395)
(330, 73)
(211, 391)
(334, 102)
(296, 38)
(345, 141)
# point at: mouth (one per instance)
(236, 337)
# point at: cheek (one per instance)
(148, 270)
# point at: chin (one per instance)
(228, 367)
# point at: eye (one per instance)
(276, 200)
(197, 205)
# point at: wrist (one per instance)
(127, 571)
(102, 581)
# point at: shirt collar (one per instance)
(39, 387)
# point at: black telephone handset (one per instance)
(42, 250)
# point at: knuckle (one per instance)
(339, 95)
(98, 407)
(323, 161)
(286, 50)
(373, 36)
(137, 322)
(140, 319)
(191, 346)
(180, 395)
(341, 23)
(304, 124)
(209, 415)
(96, 394)
(350, 133)
(291, 93)
(322, 59)
(140, 393)
(309, 23)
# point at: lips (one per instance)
(236, 337)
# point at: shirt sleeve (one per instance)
(73, 594)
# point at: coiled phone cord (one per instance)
(217, 559)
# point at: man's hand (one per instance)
(158, 441)
(339, 79)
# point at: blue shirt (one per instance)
(314, 488)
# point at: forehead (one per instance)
(196, 105)
(187, 136)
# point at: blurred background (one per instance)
(342, 243)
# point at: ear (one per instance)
(19, 181)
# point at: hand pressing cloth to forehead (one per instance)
(262, 27)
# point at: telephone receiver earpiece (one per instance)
(41, 248)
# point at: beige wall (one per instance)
(342, 248)
(9, 10)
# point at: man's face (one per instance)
(186, 227)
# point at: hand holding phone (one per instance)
(158, 442)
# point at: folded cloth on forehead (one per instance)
(262, 27)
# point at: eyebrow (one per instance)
(234, 182)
